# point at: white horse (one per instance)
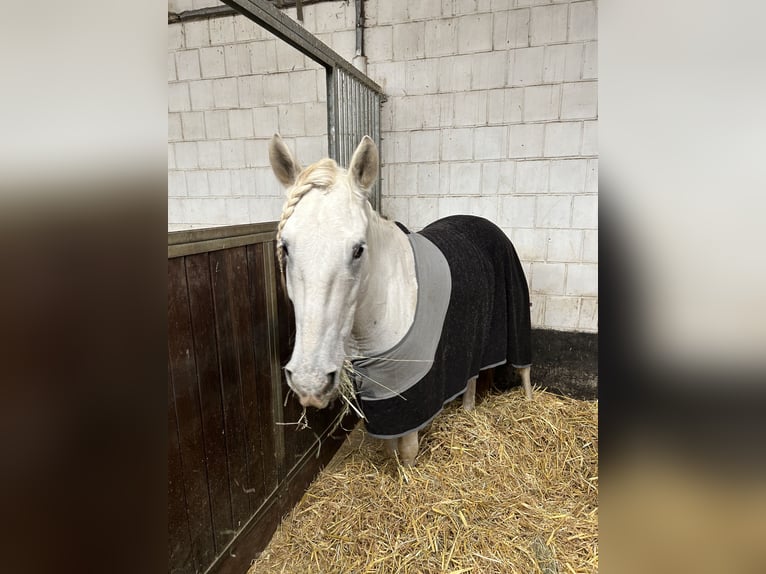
(352, 278)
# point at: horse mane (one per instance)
(320, 175)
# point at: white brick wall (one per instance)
(492, 110)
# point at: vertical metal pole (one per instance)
(333, 147)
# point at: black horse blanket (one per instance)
(472, 314)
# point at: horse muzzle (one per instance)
(313, 391)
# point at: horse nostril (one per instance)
(289, 377)
(329, 384)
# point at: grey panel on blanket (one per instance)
(392, 372)
(487, 323)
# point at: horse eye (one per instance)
(284, 249)
(358, 250)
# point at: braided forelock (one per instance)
(320, 175)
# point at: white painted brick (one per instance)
(330, 16)
(264, 182)
(568, 176)
(197, 184)
(526, 140)
(303, 86)
(241, 123)
(584, 212)
(232, 154)
(424, 146)
(263, 56)
(588, 315)
(187, 65)
(409, 41)
(379, 44)
(321, 84)
(209, 153)
(455, 74)
(500, 5)
(219, 182)
(424, 9)
(548, 277)
(562, 62)
(497, 177)
(562, 138)
(542, 103)
(590, 138)
(423, 210)
(554, 211)
(212, 62)
(590, 246)
(237, 210)
(222, 30)
(470, 108)
(582, 21)
(457, 144)
(529, 243)
(511, 29)
(177, 213)
(532, 176)
(396, 147)
(269, 210)
(474, 33)
(292, 119)
(276, 89)
(441, 37)
(176, 184)
(201, 93)
(489, 142)
(579, 100)
(193, 125)
(464, 6)
(345, 43)
(196, 33)
(591, 177)
(175, 36)
(562, 312)
(250, 91)
(387, 116)
(505, 106)
(217, 124)
(288, 58)
(403, 178)
(391, 77)
(316, 118)
(527, 66)
(311, 149)
(396, 208)
(410, 113)
(265, 122)
(171, 67)
(590, 63)
(537, 311)
(422, 77)
(517, 211)
(257, 153)
(488, 70)
(245, 29)
(484, 206)
(454, 205)
(175, 132)
(237, 57)
(171, 156)
(582, 279)
(428, 179)
(186, 155)
(446, 104)
(564, 245)
(225, 93)
(548, 24)
(465, 179)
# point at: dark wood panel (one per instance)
(180, 557)
(191, 441)
(265, 387)
(234, 423)
(209, 383)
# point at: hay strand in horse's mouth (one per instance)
(509, 487)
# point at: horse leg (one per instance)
(408, 448)
(524, 374)
(391, 446)
(469, 396)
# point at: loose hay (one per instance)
(509, 487)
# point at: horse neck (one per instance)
(388, 291)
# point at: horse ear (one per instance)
(284, 165)
(364, 164)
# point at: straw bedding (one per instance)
(509, 487)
